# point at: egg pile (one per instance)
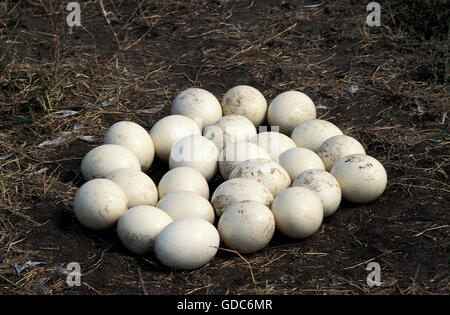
(288, 178)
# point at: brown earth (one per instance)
(137, 55)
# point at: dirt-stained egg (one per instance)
(267, 172)
(326, 187)
(246, 101)
(335, 148)
(362, 178)
(246, 226)
(239, 189)
(230, 129)
(138, 228)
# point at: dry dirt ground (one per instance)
(129, 59)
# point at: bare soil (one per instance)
(129, 59)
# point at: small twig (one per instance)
(109, 23)
(350, 283)
(142, 281)
(204, 34)
(423, 187)
(197, 289)
(262, 43)
(14, 7)
(431, 229)
(318, 63)
(90, 287)
(367, 261)
(237, 253)
(413, 285)
(273, 260)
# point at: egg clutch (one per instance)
(288, 178)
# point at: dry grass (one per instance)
(129, 60)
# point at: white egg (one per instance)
(326, 187)
(296, 161)
(139, 226)
(238, 152)
(99, 203)
(199, 105)
(102, 160)
(187, 243)
(246, 101)
(138, 186)
(183, 179)
(246, 226)
(267, 172)
(274, 143)
(289, 109)
(230, 129)
(239, 189)
(197, 152)
(311, 134)
(298, 212)
(182, 204)
(133, 137)
(168, 130)
(362, 178)
(335, 148)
